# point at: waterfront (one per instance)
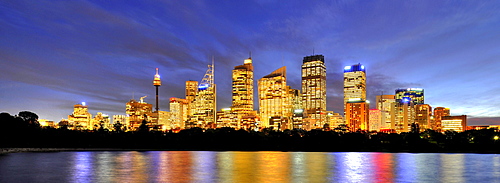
(210, 166)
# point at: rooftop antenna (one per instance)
(313, 50)
(250, 54)
(133, 95)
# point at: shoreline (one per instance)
(5, 151)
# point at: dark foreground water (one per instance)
(206, 166)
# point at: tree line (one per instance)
(24, 131)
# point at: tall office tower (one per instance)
(275, 100)
(137, 111)
(314, 91)
(375, 119)
(81, 118)
(415, 94)
(179, 112)
(191, 92)
(356, 116)
(205, 102)
(243, 89)
(404, 115)
(157, 84)
(439, 113)
(423, 113)
(385, 103)
(354, 83)
(454, 123)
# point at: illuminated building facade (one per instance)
(275, 103)
(243, 88)
(179, 110)
(354, 83)
(334, 119)
(205, 102)
(137, 111)
(439, 113)
(100, 121)
(404, 115)
(122, 119)
(191, 92)
(423, 114)
(47, 123)
(314, 90)
(81, 118)
(416, 95)
(227, 118)
(386, 104)
(357, 115)
(454, 123)
(375, 119)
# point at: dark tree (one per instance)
(29, 118)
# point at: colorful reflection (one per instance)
(383, 167)
(204, 166)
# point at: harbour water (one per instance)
(209, 166)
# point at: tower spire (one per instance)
(157, 83)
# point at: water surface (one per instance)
(207, 166)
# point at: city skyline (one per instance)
(57, 54)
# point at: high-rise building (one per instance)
(404, 115)
(439, 113)
(423, 113)
(243, 89)
(137, 111)
(205, 102)
(357, 115)
(354, 83)
(179, 109)
(81, 118)
(454, 123)
(314, 91)
(375, 119)
(416, 95)
(275, 105)
(385, 103)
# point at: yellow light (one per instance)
(495, 137)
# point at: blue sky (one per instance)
(54, 54)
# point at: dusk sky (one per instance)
(54, 54)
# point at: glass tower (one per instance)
(314, 91)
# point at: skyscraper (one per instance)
(354, 83)
(314, 91)
(179, 112)
(243, 88)
(275, 100)
(205, 102)
(385, 103)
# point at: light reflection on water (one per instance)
(203, 166)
